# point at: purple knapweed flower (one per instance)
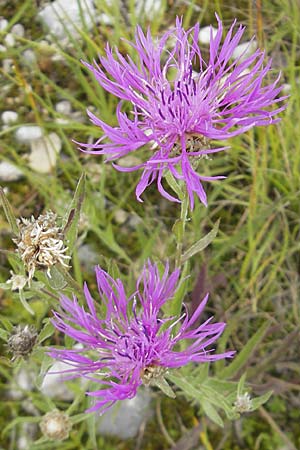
(134, 344)
(177, 111)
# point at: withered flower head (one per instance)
(40, 243)
(56, 425)
(243, 403)
(22, 340)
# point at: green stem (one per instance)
(181, 228)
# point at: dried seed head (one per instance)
(243, 403)
(18, 282)
(40, 243)
(22, 340)
(56, 425)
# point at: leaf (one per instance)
(164, 386)
(241, 359)
(176, 304)
(73, 215)
(258, 401)
(56, 279)
(202, 243)
(46, 332)
(173, 184)
(9, 212)
(25, 303)
(4, 334)
(212, 413)
(203, 392)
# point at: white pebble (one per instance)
(286, 88)
(147, 8)
(7, 65)
(9, 172)
(244, 50)
(124, 420)
(44, 153)
(3, 24)
(28, 133)
(9, 40)
(29, 56)
(204, 34)
(63, 107)
(120, 216)
(9, 117)
(18, 30)
(53, 386)
(64, 16)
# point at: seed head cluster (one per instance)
(40, 243)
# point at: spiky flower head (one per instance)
(177, 112)
(134, 344)
(40, 243)
(56, 425)
(22, 340)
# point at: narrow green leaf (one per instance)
(9, 213)
(173, 184)
(71, 220)
(202, 243)
(164, 386)
(4, 335)
(176, 303)
(46, 332)
(212, 413)
(241, 359)
(258, 401)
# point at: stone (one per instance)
(204, 34)
(147, 8)
(53, 385)
(9, 40)
(125, 418)
(28, 133)
(9, 117)
(3, 24)
(18, 30)
(44, 152)
(63, 107)
(63, 16)
(243, 51)
(29, 57)
(9, 172)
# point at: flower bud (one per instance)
(56, 425)
(22, 340)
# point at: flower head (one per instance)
(56, 425)
(243, 403)
(176, 111)
(40, 243)
(18, 282)
(22, 340)
(134, 344)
